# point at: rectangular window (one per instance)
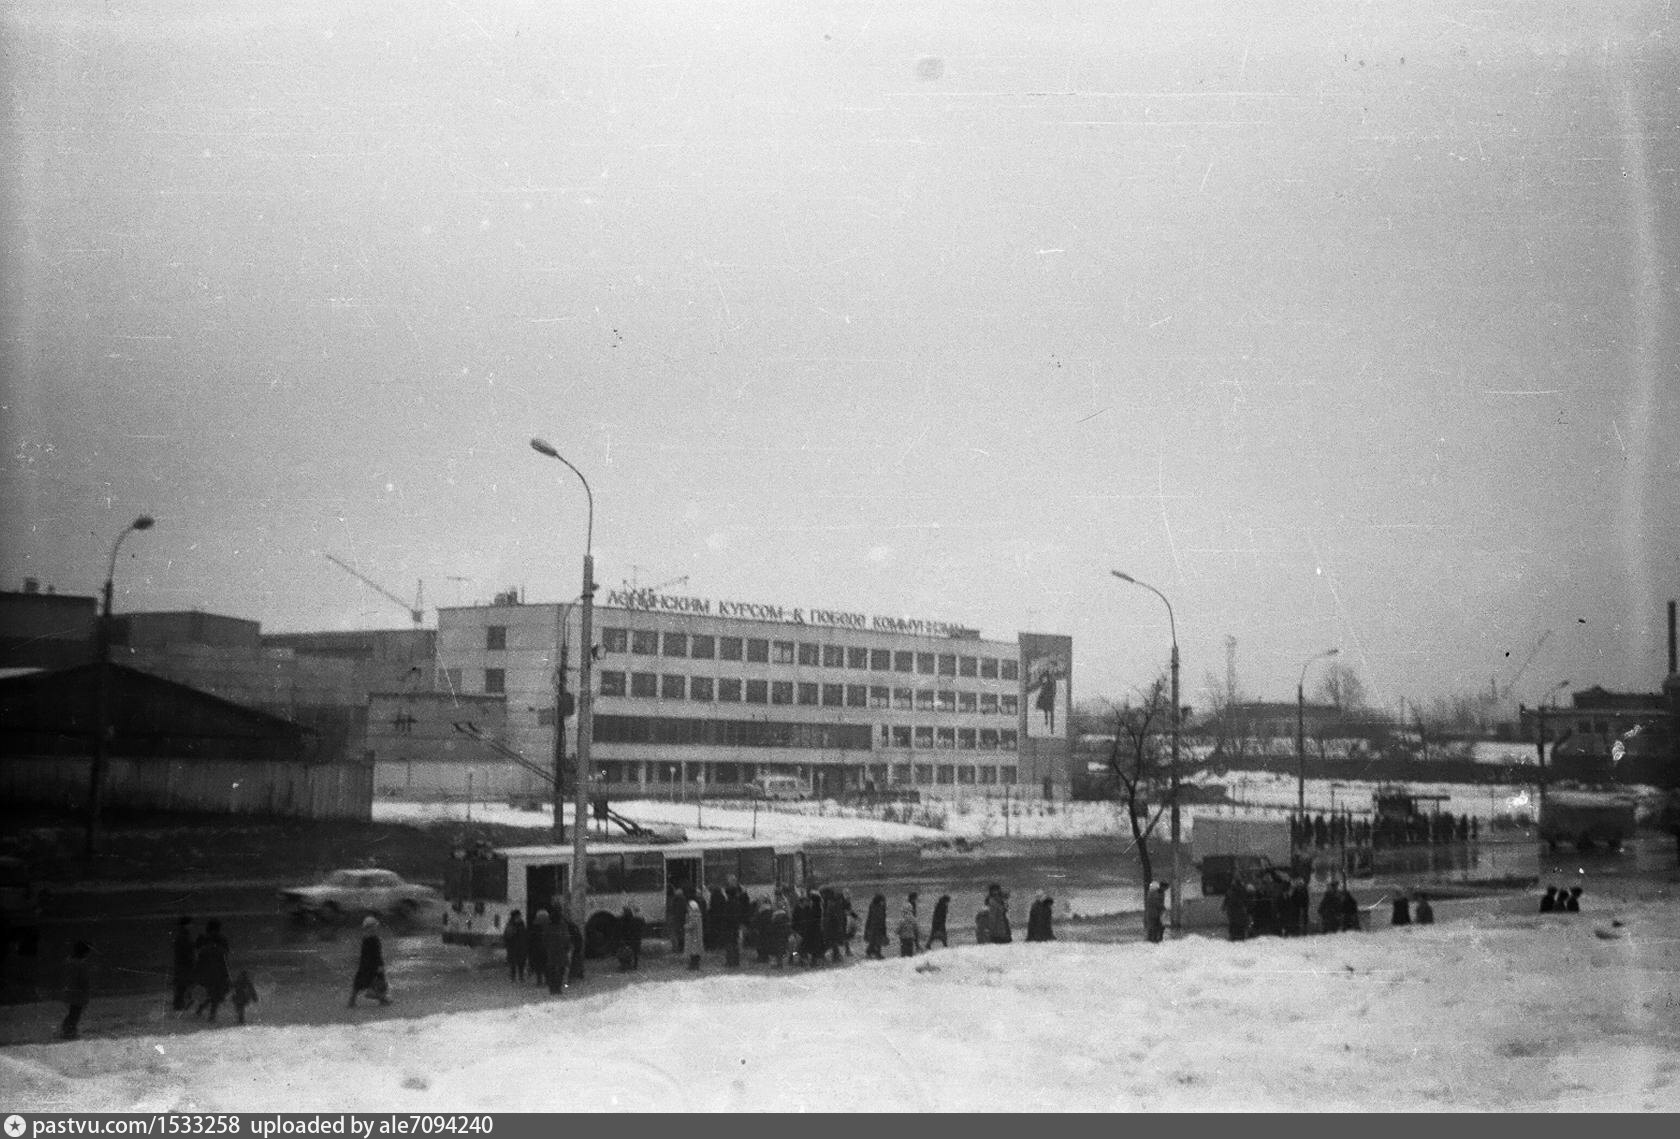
(615, 640)
(924, 699)
(947, 664)
(965, 701)
(965, 739)
(644, 684)
(673, 686)
(924, 663)
(924, 773)
(901, 773)
(1011, 671)
(834, 656)
(989, 702)
(988, 668)
(834, 695)
(700, 688)
(807, 692)
(728, 690)
(612, 682)
(879, 696)
(809, 654)
(1009, 703)
(965, 773)
(880, 660)
(988, 739)
(781, 652)
(904, 662)
(1006, 740)
(1006, 775)
(886, 736)
(781, 692)
(857, 658)
(988, 776)
(495, 681)
(495, 637)
(758, 651)
(967, 666)
(758, 692)
(675, 644)
(946, 738)
(702, 646)
(901, 735)
(947, 775)
(644, 642)
(729, 648)
(924, 736)
(947, 700)
(904, 699)
(857, 696)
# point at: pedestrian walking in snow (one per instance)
(1350, 910)
(183, 960)
(1155, 911)
(909, 931)
(211, 968)
(1573, 905)
(1402, 910)
(694, 936)
(875, 927)
(244, 995)
(1425, 913)
(370, 966)
(937, 930)
(536, 947)
(780, 932)
(998, 931)
(676, 913)
(78, 989)
(516, 940)
(1038, 919)
(1548, 903)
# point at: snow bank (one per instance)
(1490, 1013)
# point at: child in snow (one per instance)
(244, 993)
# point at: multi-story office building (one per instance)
(713, 694)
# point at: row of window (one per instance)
(754, 650)
(902, 774)
(734, 690)
(763, 733)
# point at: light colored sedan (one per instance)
(358, 892)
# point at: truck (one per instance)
(1226, 847)
(1586, 818)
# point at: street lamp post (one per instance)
(1172, 626)
(1301, 733)
(102, 687)
(585, 701)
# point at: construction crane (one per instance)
(416, 612)
(633, 587)
(1534, 652)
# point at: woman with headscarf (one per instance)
(1154, 912)
(370, 966)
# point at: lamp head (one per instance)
(543, 447)
(1124, 576)
(144, 522)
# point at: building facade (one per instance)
(693, 694)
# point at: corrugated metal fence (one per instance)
(242, 787)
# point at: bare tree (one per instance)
(1139, 759)
(1231, 731)
(1342, 687)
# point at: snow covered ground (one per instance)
(1490, 1012)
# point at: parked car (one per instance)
(359, 892)
(779, 787)
(1219, 869)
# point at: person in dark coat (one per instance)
(370, 966)
(536, 947)
(1425, 913)
(244, 995)
(1549, 902)
(1573, 905)
(998, 931)
(1300, 906)
(211, 968)
(676, 910)
(694, 935)
(574, 956)
(1155, 912)
(631, 931)
(937, 930)
(1402, 910)
(557, 949)
(183, 961)
(779, 931)
(730, 914)
(712, 916)
(875, 927)
(78, 989)
(834, 924)
(1236, 910)
(1350, 911)
(516, 940)
(1330, 909)
(909, 931)
(761, 931)
(1262, 917)
(811, 947)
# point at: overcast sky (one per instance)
(1341, 324)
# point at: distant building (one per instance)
(46, 630)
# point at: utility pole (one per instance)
(562, 709)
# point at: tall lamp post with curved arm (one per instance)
(102, 687)
(585, 702)
(1301, 734)
(1172, 626)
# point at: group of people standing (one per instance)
(549, 949)
(1273, 906)
(1558, 899)
(199, 968)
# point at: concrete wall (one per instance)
(243, 787)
